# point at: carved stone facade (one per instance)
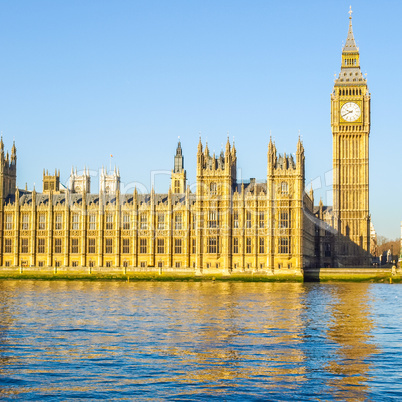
(225, 226)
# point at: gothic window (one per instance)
(177, 186)
(194, 250)
(214, 188)
(248, 219)
(74, 246)
(194, 218)
(161, 221)
(143, 221)
(235, 219)
(178, 220)
(57, 246)
(75, 221)
(284, 187)
(8, 245)
(24, 245)
(213, 246)
(92, 222)
(261, 220)
(25, 222)
(109, 221)
(143, 246)
(284, 245)
(126, 221)
(42, 222)
(126, 246)
(9, 222)
(262, 245)
(284, 220)
(177, 246)
(235, 245)
(58, 222)
(41, 245)
(161, 246)
(248, 245)
(212, 219)
(91, 246)
(108, 246)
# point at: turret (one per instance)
(300, 159)
(178, 178)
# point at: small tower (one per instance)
(8, 170)
(51, 182)
(79, 183)
(178, 180)
(109, 183)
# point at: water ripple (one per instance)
(192, 341)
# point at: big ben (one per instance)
(350, 121)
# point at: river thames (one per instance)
(62, 340)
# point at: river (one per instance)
(64, 340)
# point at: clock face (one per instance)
(350, 111)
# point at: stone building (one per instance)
(225, 226)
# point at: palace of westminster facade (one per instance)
(225, 225)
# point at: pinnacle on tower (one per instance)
(350, 45)
(206, 152)
(13, 152)
(178, 159)
(199, 148)
(350, 66)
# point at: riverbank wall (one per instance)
(382, 274)
(354, 274)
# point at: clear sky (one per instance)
(81, 80)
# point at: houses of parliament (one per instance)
(226, 226)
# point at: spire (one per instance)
(206, 152)
(350, 45)
(13, 152)
(300, 147)
(178, 149)
(178, 159)
(350, 59)
(271, 146)
(227, 148)
(199, 148)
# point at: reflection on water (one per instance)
(178, 340)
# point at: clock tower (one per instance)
(350, 122)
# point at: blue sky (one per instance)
(81, 80)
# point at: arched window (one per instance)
(177, 186)
(214, 188)
(284, 187)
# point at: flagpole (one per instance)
(111, 156)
